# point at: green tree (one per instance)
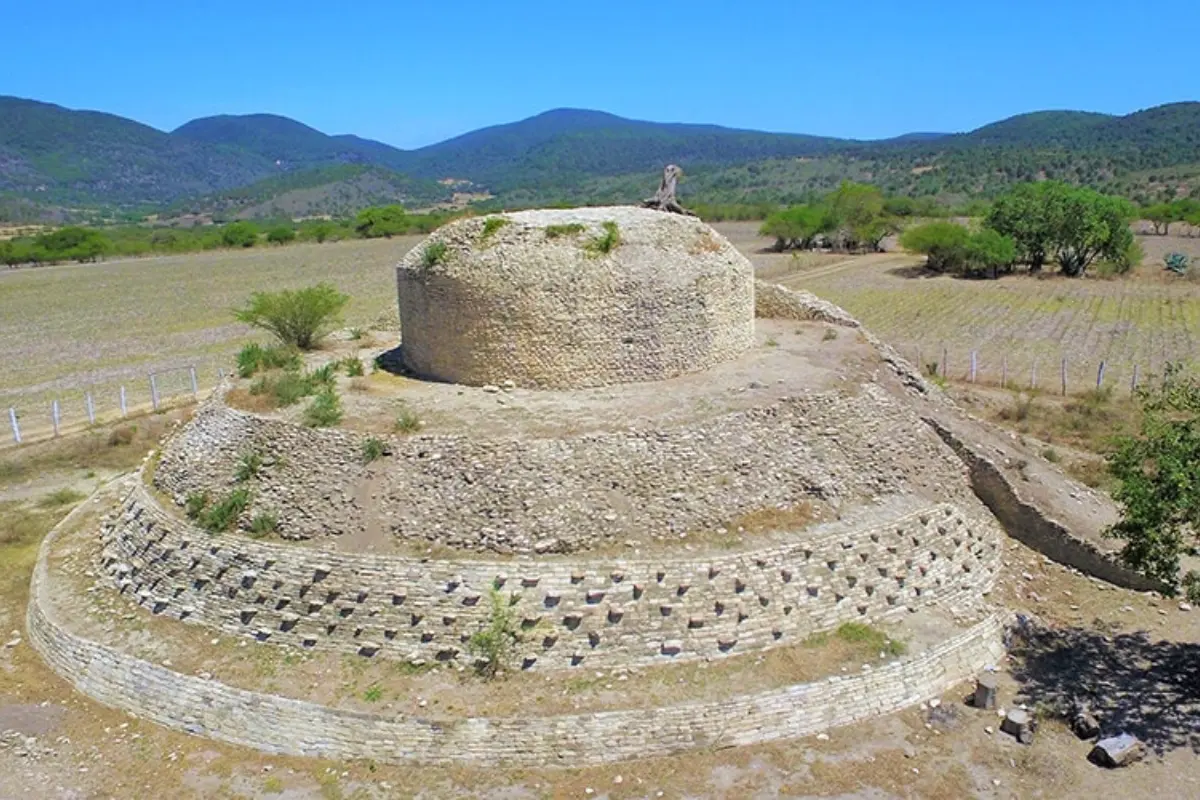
(857, 211)
(298, 318)
(944, 244)
(372, 223)
(798, 226)
(1158, 482)
(73, 243)
(990, 252)
(1021, 215)
(281, 234)
(239, 234)
(1085, 225)
(1161, 215)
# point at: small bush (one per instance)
(858, 633)
(298, 318)
(324, 375)
(494, 645)
(60, 497)
(570, 229)
(607, 241)
(281, 234)
(122, 436)
(287, 388)
(248, 467)
(254, 357)
(353, 366)
(407, 421)
(264, 524)
(491, 225)
(373, 694)
(195, 504)
(772, 342)
(433, 254)
(373, 449)
(324, 411)
(357, 333)
(223, 515)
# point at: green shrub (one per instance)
(569, 229)
(373, 694)
(433, 254)
(254, 357)
(248, 466)
(60, 497)
(373, 449)
(288, 388)
(357, 333)
(324, 411)
(494, 645)
(298, 318)
(281, 234)
(407, 421)
(491, 225)
(353, 366)
(942, 243)
(859, 633)
(223, 515)
(239, 234)
(195, 504)
(264, 524)
(606, 242)
(324, 375)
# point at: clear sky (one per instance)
(411, 73)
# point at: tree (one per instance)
(1020, 215)
(239, 234)
(944, 244)
(1158, 483)
(72, 243)
(798, 226)
(1161, 215)
(299, 318)
(857, 210)
(1085, 225)
(281, 234)
(990, 252)
(372, 223)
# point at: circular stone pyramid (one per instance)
(573, 298)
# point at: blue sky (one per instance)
(411, 73)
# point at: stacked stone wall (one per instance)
(588, 612)
(293, 727)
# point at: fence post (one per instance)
(1033, 375)
(54, 415)
(12, 418)
(195, 388)
(124, 406)
(91, 408)
(974, 365)
(221, 373)
(1063, 374)
(1100, 376)
(1004, 371)
(945, 364)
(1134, 382)
(153, 392)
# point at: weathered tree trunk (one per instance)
(664, 198)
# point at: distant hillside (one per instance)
(52, 154)
(286, 143)
(55, 158)
(336, 191)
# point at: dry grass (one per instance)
(70, 327)
(765, 520)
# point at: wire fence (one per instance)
(1062, 375)
(70, 412)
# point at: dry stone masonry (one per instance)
(539, 302)
(584, 306)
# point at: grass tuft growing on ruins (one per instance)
(494, 645)
(433, 254)
(60, 497)
(606, 242)
(491, 225)
(568, 229)
(407, 421)
(263, 524)
(249, 465)
(324, 411)
(353, 366)
(870, 637)
(254, 358)
(373, 449)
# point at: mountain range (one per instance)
(267, 164)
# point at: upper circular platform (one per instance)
(572, 298)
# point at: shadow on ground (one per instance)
(1133, 684)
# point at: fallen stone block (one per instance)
(1117, 751)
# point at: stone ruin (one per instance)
(666, 401)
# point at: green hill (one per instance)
(263, 164)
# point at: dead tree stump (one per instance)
(664, 199)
